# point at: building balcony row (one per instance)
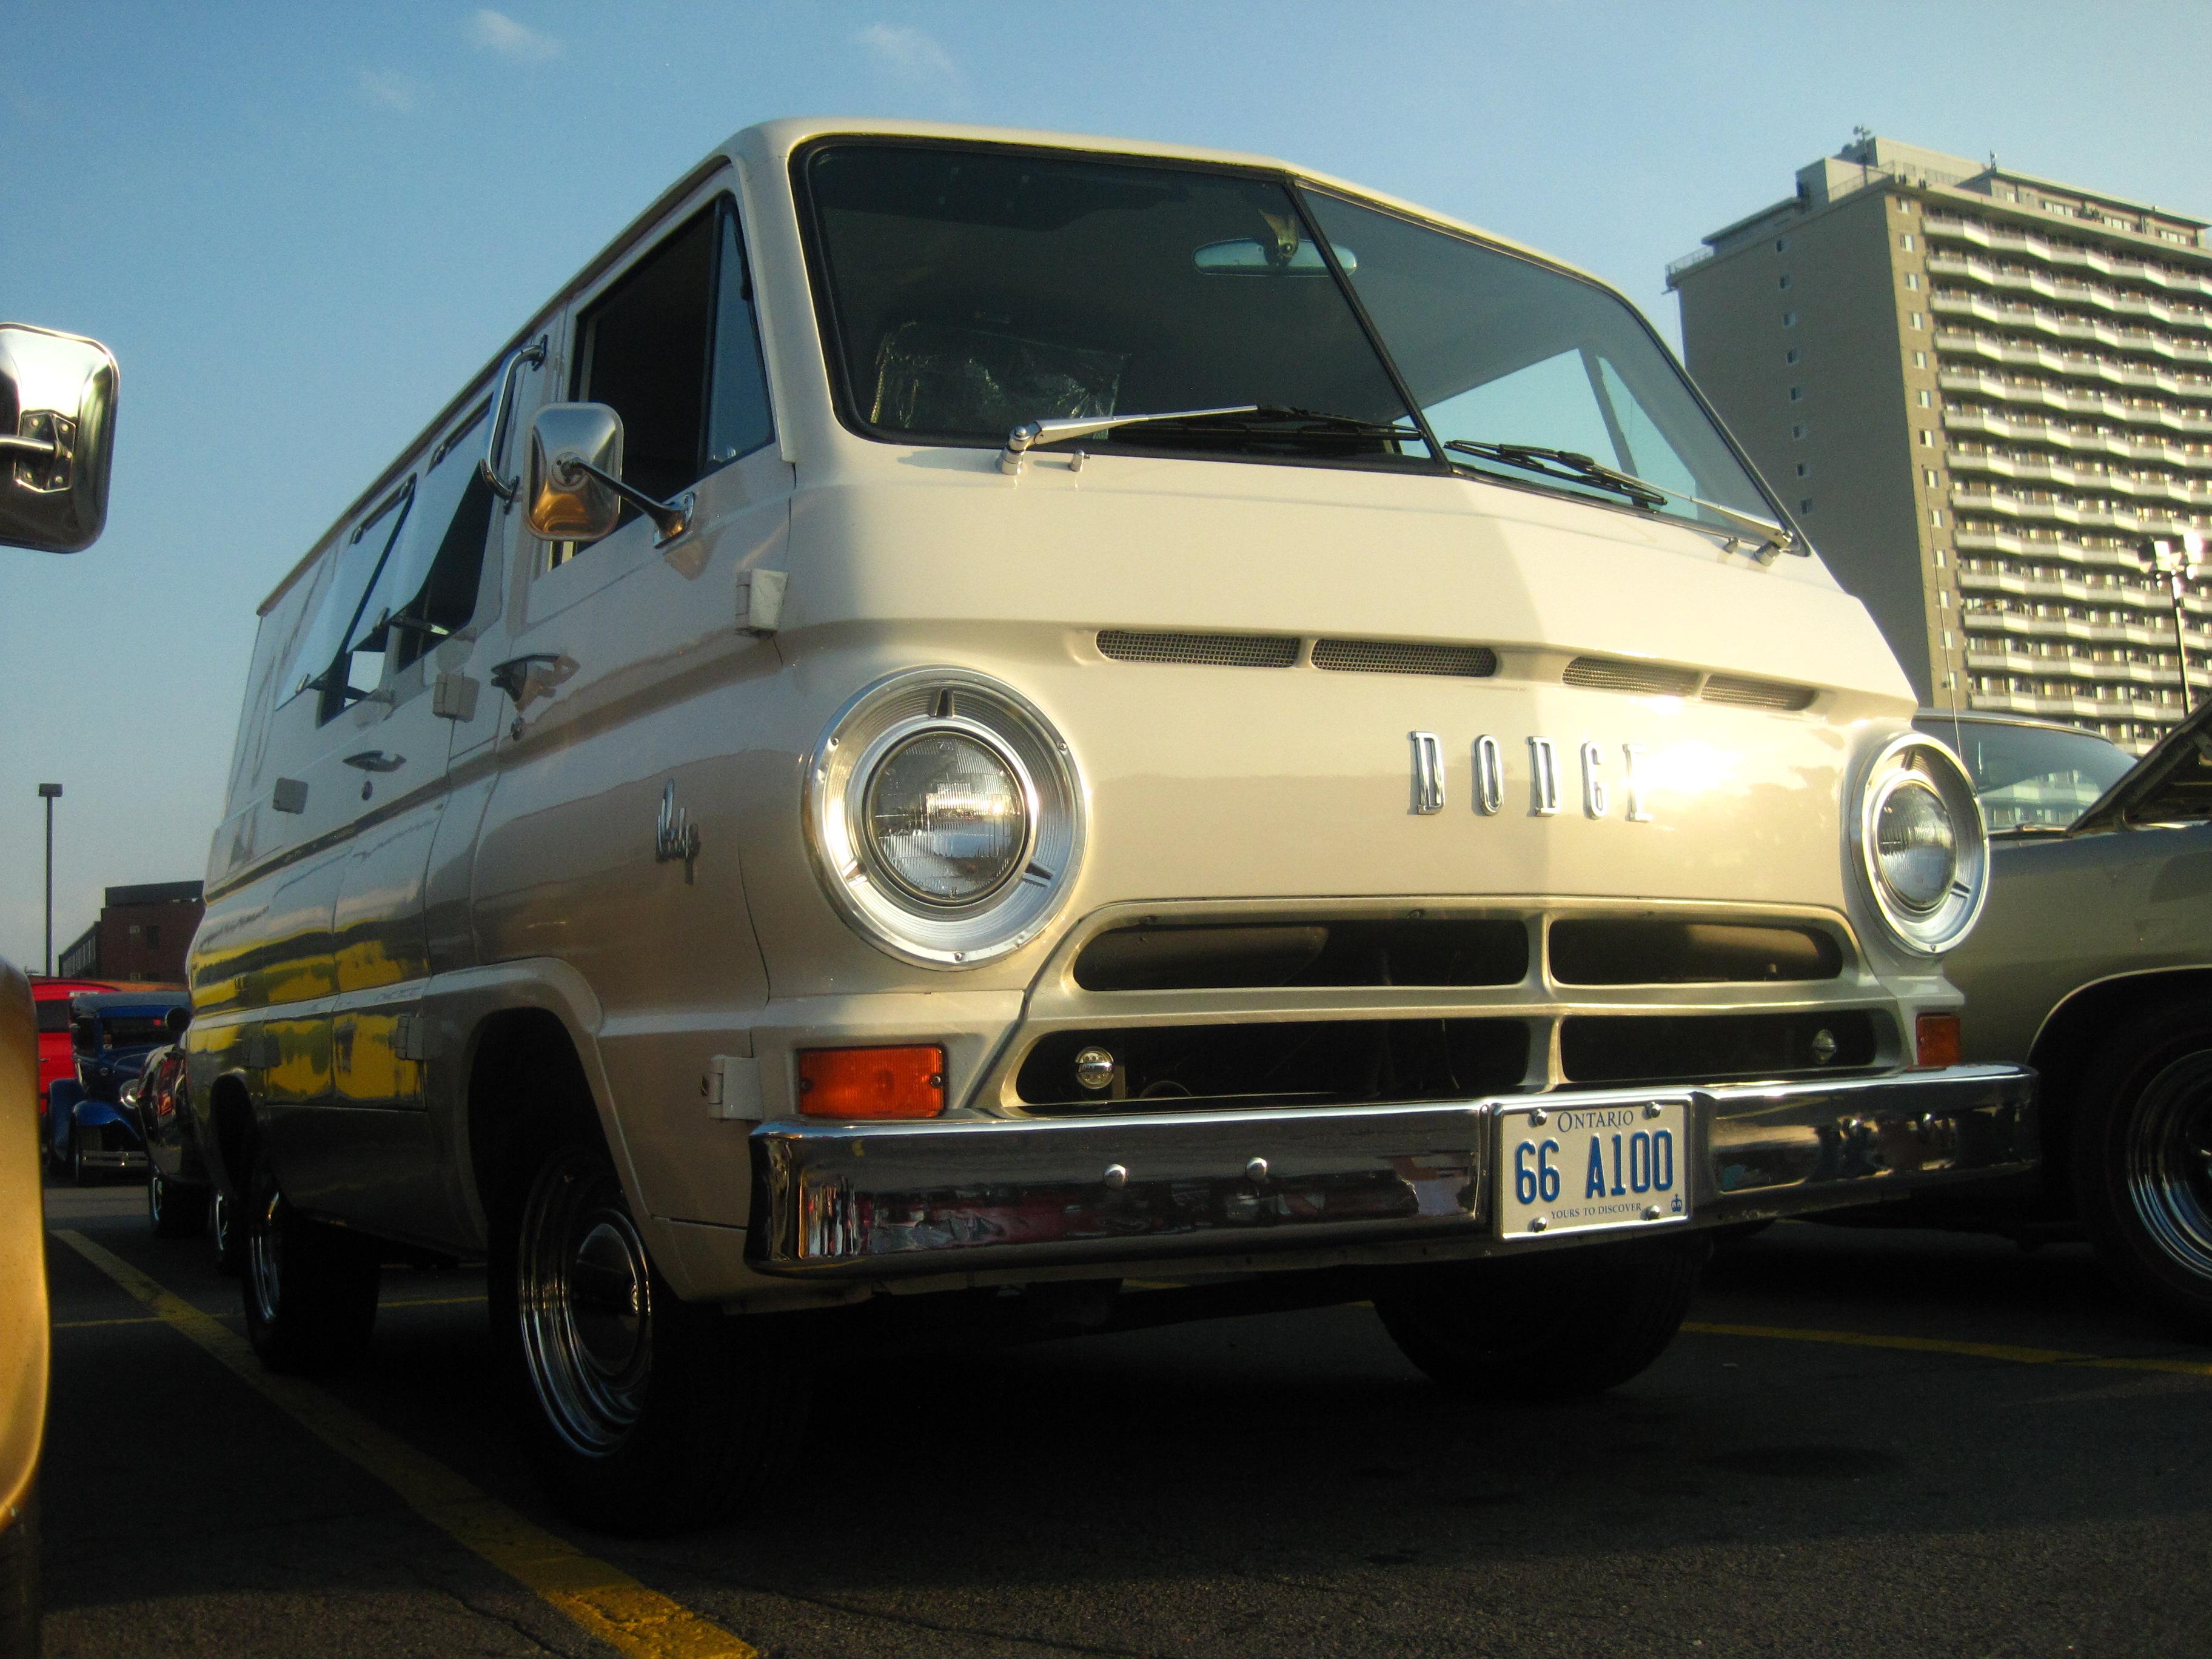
(2136, 634)
(2147, 685)
(2064, 325)
(2074, 365)
(2093, 716)
(2067, 256)
(2112, 302)
(2155, 488)
(2079, 440)
(2077, 513)
(2029, 393)
(2124, 560)
(2155, 603)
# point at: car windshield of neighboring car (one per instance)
(54, 1014)
(134, 1031)
(2184, 794)
(2028, 776)
(968, 290)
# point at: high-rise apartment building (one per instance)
(1984, 396)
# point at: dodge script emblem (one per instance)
(1490, 779)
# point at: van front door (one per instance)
(631, 696)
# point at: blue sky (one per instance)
(302, 228)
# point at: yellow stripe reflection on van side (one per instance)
(602, 1599)
(1937, 1345)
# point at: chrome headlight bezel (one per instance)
(880, 721)
(1913, 761)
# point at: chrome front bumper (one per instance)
(881, 1201)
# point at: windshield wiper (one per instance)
(1568, 466)
(1242, 417)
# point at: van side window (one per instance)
(644, 355)
(325, 664)
(740, 420)
(674, 350)
(428, 588)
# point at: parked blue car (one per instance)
(89, 1125)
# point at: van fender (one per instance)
(456, 1008)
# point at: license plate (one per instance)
(1588, 1167)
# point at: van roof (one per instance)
(777, 140)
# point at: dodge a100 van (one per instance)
(995, 726)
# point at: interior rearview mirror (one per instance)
(56, 438)
(576, 451)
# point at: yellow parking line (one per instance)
(603, 1600)
(1936, 1344)
(93, 1324)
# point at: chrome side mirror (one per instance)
(573, 487)
(563, 501)
(56, 438)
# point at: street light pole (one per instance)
(2180, 566)
(50, 792)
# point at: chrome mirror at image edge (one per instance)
(56, 438)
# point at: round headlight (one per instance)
(1921, 844)
(947, 817)
(1916, 845)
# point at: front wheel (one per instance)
(173, 1211)
(79, 1174)
(2141, 1164)
(1562, 1324)
(643, 1414)
(310, 1287)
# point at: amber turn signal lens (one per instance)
(1938, 1039)
(865, 1083)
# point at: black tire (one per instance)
(173, 1211)
(310, 1288)
(641, 1414)
(74, 1161)
(2141, 1160)
(229, 1238)
(20, 1601)
(1563, 1324)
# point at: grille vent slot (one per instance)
(1388, 657)
(1647, 680)
(1223, 650)
(1756, 694)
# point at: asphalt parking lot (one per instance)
(1866, 1444)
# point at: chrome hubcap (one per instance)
(2169, 1164)
(264, 1261)
(584, 1295)
(153, 1196)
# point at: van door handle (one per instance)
(375, 760)
(513, 674)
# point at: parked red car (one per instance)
(56, 1058)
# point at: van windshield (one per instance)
(967, 289)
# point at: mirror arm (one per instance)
(671, 518)
(43, 449)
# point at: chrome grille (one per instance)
(1756, 694)
(1648, 679)
(1223, 650)
(1389, 657)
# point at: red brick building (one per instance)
(142, 934)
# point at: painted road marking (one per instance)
(1970, 1350)
(157, 1319)
(603, 1600)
